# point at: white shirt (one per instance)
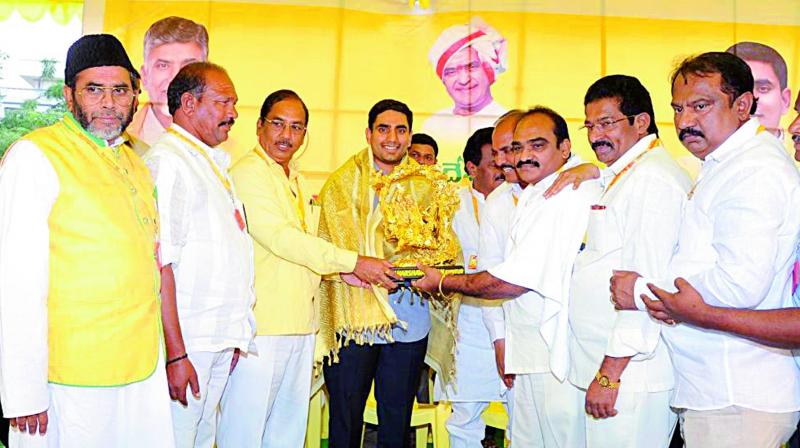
(476, 375)
(545, 237)
(496, 223)
(29, 187)
(736, 246)
(634, 226)
(211, 256)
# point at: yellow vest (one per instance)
(103, 304)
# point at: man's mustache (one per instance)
(506, 166)
(532, 162)
(109, 114)
(600, 143)
(690, 131)
(227, 122)
(284, 142)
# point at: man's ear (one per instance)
(69, 98)
(472, 170)
(642, 123)
(368, 134)
(188, 103)
(565, 148)
(743, 105)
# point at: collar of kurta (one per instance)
(272, 164)
(478, 195)
(220, 157)
(635, 151)
(532, 191)
(74, 125)
(731, 146)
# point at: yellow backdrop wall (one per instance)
(342, 60)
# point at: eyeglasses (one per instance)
(93, 95)
(280, 125)
(605, 124)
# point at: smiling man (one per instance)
(737, 246)
(169, 44)
(266, 401)
(361, 329)
(79, 340)
(467, 58)
(544, 238)
(207, 255)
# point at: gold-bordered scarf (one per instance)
(350, 314)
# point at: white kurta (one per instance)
(204, 238)
(496, 219)
(79, 416)
(476, 374)
(545, 237)
(634, 226)
(212, 256)
(736, 246)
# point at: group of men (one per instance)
(152, 293)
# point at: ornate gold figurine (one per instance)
(418, 203)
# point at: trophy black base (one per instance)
(411, 273)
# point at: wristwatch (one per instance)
(604, 382)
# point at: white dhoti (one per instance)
(547, 413)
(266, 402)
(196, 424)
(136, 415)
(477, 382)
(643, 419)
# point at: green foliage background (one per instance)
(17, 123)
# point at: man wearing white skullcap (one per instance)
(467, 58)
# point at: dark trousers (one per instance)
(395, 368)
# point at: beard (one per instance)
(103, 134)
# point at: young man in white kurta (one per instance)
(204, 239)
(736, 246)
(476, 382)
(634, 226)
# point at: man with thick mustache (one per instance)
(737, 246)
(80, 351)
(206, 254)
(544, 238)
(266, 401)
(476, 382)
(617, 356)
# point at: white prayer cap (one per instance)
(490, 45)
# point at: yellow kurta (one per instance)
(289, 258)
(103, 304)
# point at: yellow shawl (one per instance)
(348, 313)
